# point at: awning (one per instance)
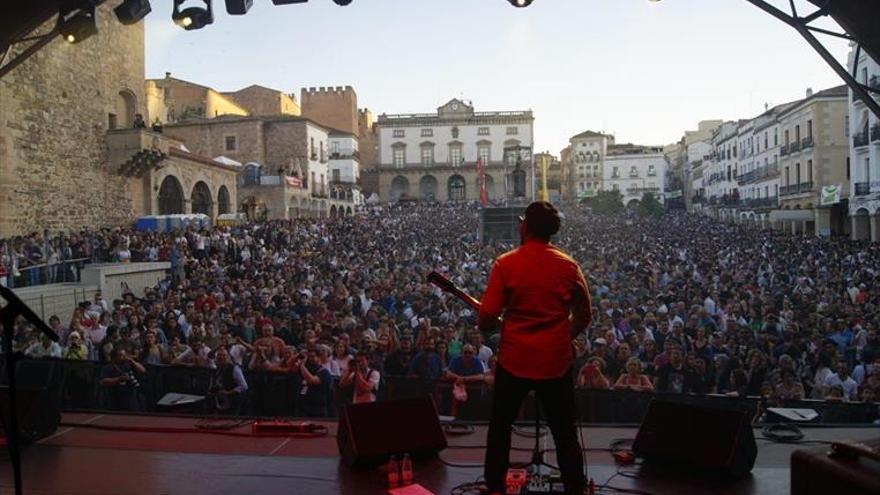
(225, 160)
(792, 215)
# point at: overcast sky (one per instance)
(644, 71)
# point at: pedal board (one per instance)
(544, 484)
(520, 482)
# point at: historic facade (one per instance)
(433, 156)
(287, 163)
(864, 161)
(634, 171)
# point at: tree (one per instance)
(607, 202)
(650, 206)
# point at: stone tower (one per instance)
(334, 107)
(55, 110)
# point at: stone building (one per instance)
(69, 156)
(286, 159)
(164, 178)
(433, 156)
(813, 155)
(332, 107)
(262, 101)
(175, 100)
(55, 111)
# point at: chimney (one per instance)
(809, 92)
(167, 75)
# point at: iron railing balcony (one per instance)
(747, 177)
(783, 150)
(863, 188)
(875, 132)
(807, 142)
(805, 186)
(861, 138)
(794, 147)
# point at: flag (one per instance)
(481, 178)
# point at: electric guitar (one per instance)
(448, 286)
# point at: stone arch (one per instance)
(634, 203)
(126, 107)
(399, 188)
(201, 199)
(223, 200)
(332, 211)
(322, 209)
(170, 197)
(428, 188)
(456, 188)
(348, 211)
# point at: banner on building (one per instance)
(673, 194)
(481, 177)
(293, 182)
(830, 195)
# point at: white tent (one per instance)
(225, 160)
(373, 199)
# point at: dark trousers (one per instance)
(557, 399)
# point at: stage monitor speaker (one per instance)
(369, 433)
(38, 399)
(711, 439)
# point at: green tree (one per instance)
(650, 206)
(607, 202)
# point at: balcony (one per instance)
(642, 190)
(783, 150)
(807, 142)
(861, 138)
(803, 187)
(747, 177)
(794, 147)
(875, 132)
(346, 155)
(863, 188)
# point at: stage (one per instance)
(124, 457)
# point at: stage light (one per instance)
(520, 3)
(287, 2)
(76, 21)
(342, 3)
(131, 11)
(193, 17)
(238, 7)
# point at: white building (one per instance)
(433, 156)
(635, 170)
(587, 153)
(864, 155)
(344, 167)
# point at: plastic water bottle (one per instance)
(406, 473)
(393, 472)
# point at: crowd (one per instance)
(684, 304)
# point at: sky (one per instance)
(644, 71)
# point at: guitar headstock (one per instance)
(442, 282)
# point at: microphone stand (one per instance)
(8, 314)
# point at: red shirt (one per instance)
(534, 286)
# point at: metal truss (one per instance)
(803, 27)
(36, 43)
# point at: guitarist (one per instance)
(543, 298)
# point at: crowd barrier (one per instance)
(273, 394)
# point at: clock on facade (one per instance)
(454, 107)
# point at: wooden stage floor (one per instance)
(82, 460)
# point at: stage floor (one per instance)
(81, 460)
